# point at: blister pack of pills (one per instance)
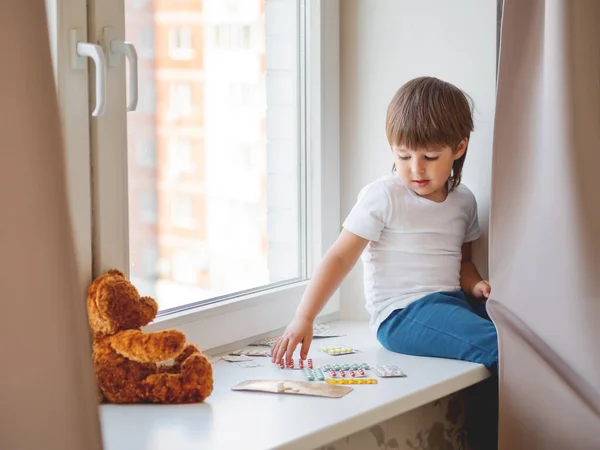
(351, 381)
(250, 352)
(386, 371)
(301, 364)
(266, 342)
(346, 370)
(314, 374)
(336, 350)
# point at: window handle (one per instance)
(80, 51)
(116, 48)
(127, 49)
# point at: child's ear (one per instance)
(461, 149)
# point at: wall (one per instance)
(460, 421)
(385, 43)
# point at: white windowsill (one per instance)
(250, 420)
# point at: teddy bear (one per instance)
(130, 364)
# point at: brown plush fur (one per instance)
(125, 358)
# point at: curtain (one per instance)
(545, 224)
(47, 393)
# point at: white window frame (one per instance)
(177, 35)
(72, 88)
(243, 316)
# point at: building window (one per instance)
(145, 44)
(180, 43)
(233, 37)
(182, 211)
(149, 208)
(147, 99)
(149, 261)
(146, 153)
(180, 99)
(139, 3)
(180, 157)
(183, 265)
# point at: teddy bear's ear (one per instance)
(115, 304)
(116, 272)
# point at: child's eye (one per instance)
(431, 158)
(404, 158)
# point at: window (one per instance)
(242, 225)
(234, 37)
(222, 36)
(182, 211)
(146, 152)
(180, 43)
(149, 208)
(149, 261)
(180, 99)
(184, 268)
(145, 41)
(180, 158)
(147, 97)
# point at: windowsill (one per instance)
(252, 420)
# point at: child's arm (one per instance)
(470, 280)
(334, 267)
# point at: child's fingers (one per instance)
(281, 349)
(275, 349)
(292, 343)
(305, 346)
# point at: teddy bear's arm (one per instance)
(148, 347)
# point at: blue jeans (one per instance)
(443, 325)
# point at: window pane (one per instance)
(214, 148)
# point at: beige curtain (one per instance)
(47, 395)
(545, 225)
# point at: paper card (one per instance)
(294, 388)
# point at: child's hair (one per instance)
(428, 111)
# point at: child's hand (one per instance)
(482, 290)
(299, 331)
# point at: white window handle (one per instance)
(81, 50)
(115, 48)
(127, 49)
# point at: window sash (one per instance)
(110, 195)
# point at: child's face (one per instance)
(426, 170)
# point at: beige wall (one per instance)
(385, 43)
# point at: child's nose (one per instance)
(418, 167)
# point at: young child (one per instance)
(414, 229)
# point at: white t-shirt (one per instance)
(415, 247)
